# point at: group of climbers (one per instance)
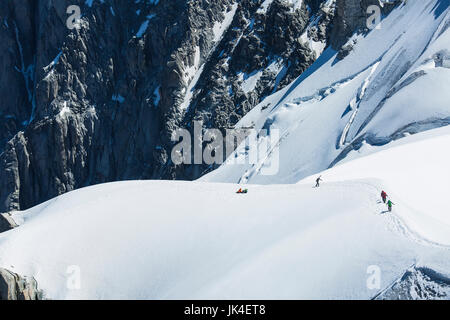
(384, 197)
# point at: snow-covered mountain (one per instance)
(394, 82)
(365, 110)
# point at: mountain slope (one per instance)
(99, 103)
(294, 241)
(393, 82)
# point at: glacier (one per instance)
(377, 119)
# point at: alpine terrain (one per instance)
(338, 99)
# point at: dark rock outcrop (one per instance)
(6, 223)
(15, 287)
(351, 17)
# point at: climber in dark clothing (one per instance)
(318, 181)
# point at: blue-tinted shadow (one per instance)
(326, 56)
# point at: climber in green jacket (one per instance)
(389, 204)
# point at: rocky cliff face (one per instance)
(15, 287)
(99, 102)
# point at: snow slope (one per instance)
(415, 170)
(393, 82)
(131, 240)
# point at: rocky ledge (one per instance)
(16, 287)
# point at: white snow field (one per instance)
(190, 240)
(395, 81)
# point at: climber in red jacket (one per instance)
(383, 196)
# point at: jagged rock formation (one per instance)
(418, 283)
(350, 17)
(100, 102)
(15, 287)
